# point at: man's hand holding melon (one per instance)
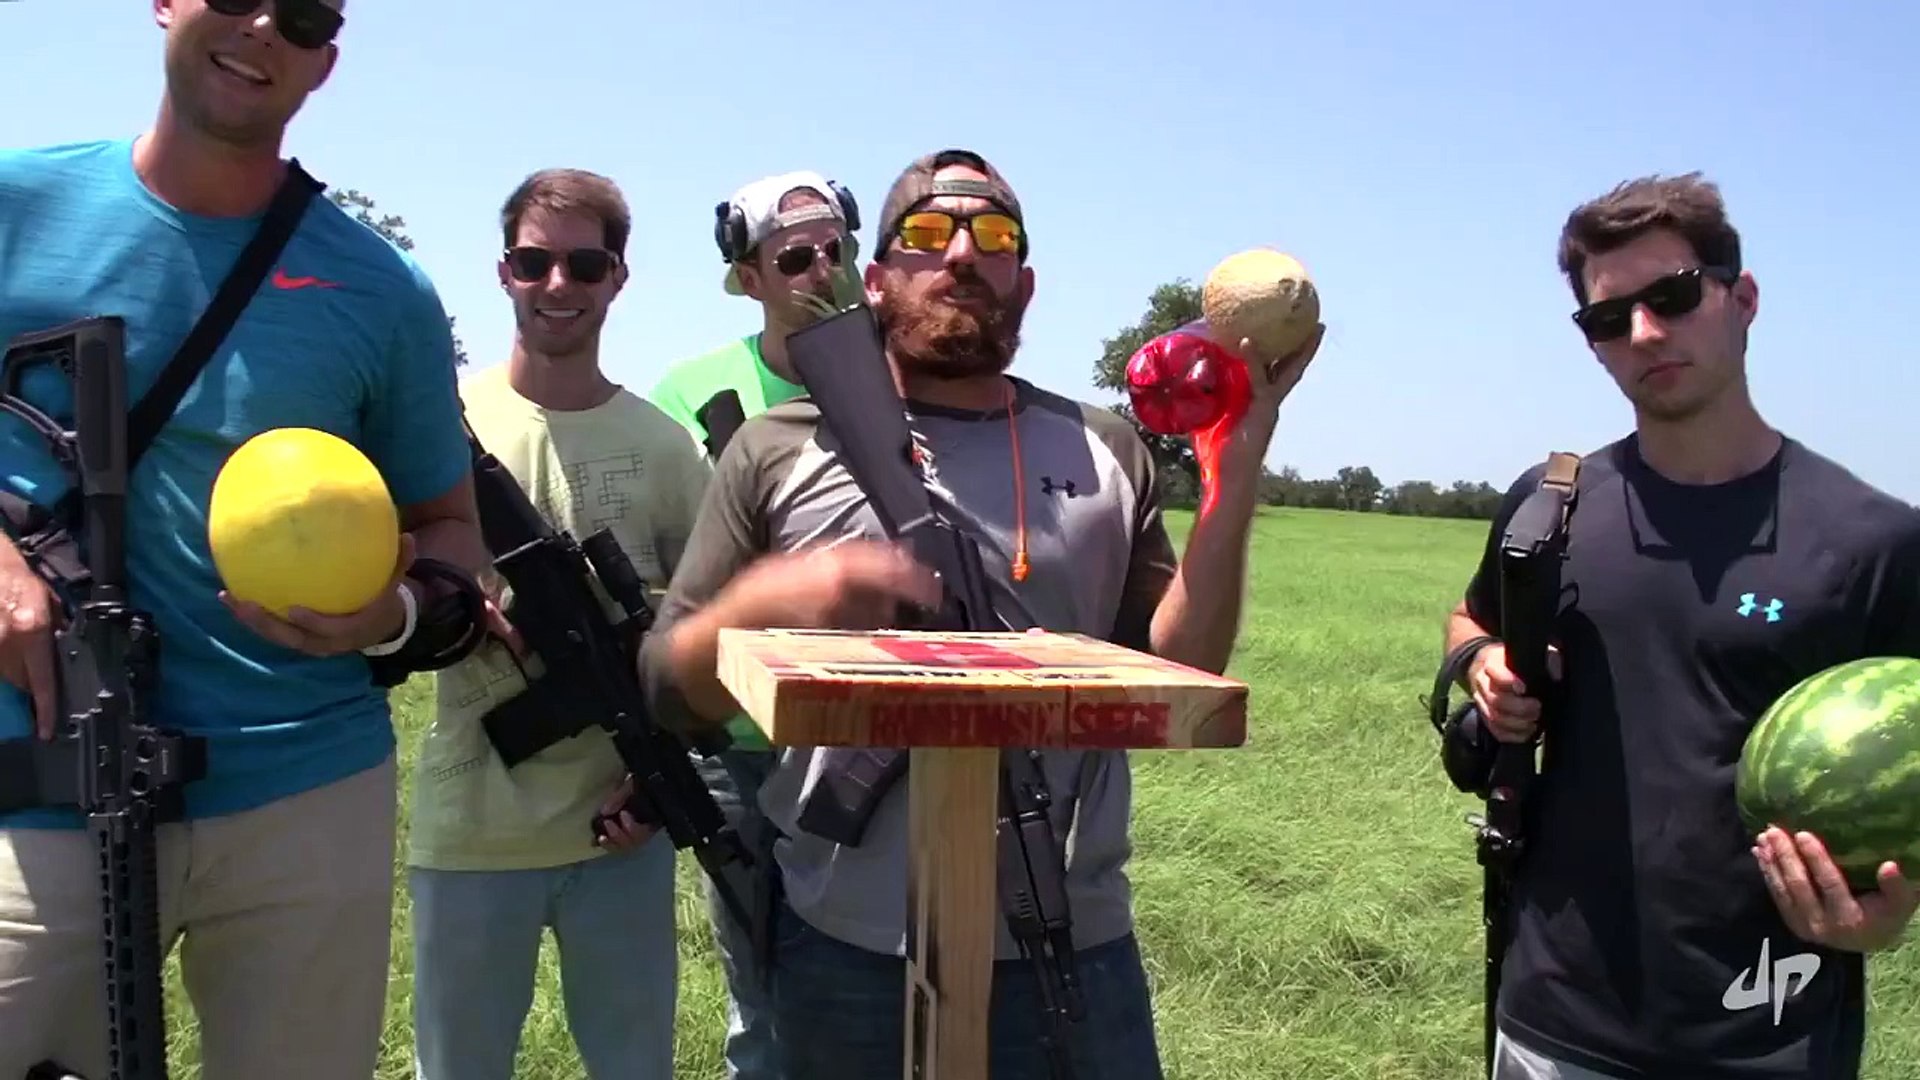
(1262, 304)
(1819, 905)
(1826, 782)
(308, 543)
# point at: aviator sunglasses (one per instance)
(588, 266)
(796, 259)
(305, 24)
(932, 230)
(1669, 297)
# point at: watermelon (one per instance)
(1838, 755)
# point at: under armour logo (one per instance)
(1773, 608)
(1762, 983)
(1064, 487)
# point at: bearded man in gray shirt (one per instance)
(1061, 497)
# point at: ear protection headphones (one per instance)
(730, 224)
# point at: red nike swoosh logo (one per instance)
(282, 281)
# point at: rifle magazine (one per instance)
(851, 785)
(528, 722)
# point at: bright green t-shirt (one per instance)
(689, 385)
(623, 466)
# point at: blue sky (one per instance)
(1419, 162)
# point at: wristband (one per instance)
(1460, 661)
(412, 606)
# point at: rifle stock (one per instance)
(108, 759)
(591, 677)
(721, 416)
(842, 363)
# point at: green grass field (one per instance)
(1308, 904)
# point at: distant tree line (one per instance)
(1354, 487)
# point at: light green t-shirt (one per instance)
(624, 466)
(689, 385)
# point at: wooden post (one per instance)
(957, 701)
(952, 799)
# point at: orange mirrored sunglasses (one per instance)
(932, 230)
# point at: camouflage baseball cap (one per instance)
(916, 184)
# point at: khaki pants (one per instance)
(284, 914)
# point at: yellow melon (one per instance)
(302, 517)
(1264, 295)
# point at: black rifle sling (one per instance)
(45, 537)
(249, 270)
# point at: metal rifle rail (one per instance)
(1530, 555)
(841, 362)
(591, 674)
(107, 759)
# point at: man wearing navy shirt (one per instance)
(279, 880)
(1712, 563)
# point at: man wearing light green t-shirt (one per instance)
(495, 855)
(777, 235)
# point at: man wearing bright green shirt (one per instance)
(778, 235)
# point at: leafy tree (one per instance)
(1418, 498)
(1359, 488)
(1169, 307)
(391, 227)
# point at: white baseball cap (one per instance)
(753, 214)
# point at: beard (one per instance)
(940, 338)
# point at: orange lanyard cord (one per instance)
(1020, 565)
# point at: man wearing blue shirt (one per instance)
(279, 878)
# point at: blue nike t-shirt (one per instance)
(346, 335)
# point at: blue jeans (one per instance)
(734, 777)
(839, 1011)
(476, 946)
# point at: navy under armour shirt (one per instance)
(1645, 941)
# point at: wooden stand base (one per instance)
(953, 799)
(958, 701)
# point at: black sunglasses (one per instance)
(589, 266)
(1669, 297)
(306, 24)
(796, 259)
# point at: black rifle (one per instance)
(106, 757)
(1531, 553)
(592, 676)
(721, 416)
(842, 364)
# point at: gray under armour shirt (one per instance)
(1100, 560)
